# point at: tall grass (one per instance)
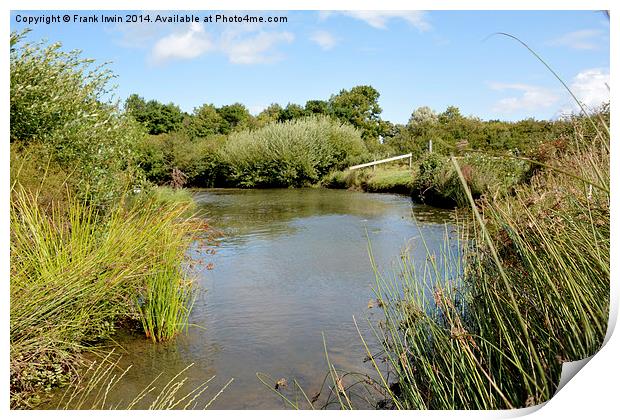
(491, 328)
(76, 273)
(293, 153)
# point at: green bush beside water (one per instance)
(294, 153)
(437, 182)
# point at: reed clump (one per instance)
(77, 273)
(489, 326)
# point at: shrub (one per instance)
(198, 160)
(488, 323)
(58, 107)
(293, 153)
(437, 183)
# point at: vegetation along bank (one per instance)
(95, 246)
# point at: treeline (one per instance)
(358, 106)
(196, 144)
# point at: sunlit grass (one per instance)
(75, 273)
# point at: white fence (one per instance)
(376, 162)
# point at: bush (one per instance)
(438, 184)
(57, 108)
(488, 323)
(294, 153)
(198, 160)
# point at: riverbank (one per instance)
(433, 179)
(93, 247)
(490, 329)
(78, 275)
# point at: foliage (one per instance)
(58, 116)
(156, 117)
(268, 115)
(236, 117)
(453, 133)
(199, 160)
(206, 121)
(359, 106)
(437, 182)
(291, 112)
(488, 322)
(76, 273)
(423, 115)
(291, 154)
(315, 106)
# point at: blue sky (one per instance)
(436, 58)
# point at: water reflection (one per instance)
(292, 264)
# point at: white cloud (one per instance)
(380, 18)
(324, 39)
(586, 39)
(531, 98)
(246, 44)
(591, 89)
(185, 45)
(253, 49)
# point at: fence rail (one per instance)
(376, 162)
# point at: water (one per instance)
(292, 264)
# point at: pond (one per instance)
(292, 264)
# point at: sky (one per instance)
(413, 58)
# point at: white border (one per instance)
(593, 393)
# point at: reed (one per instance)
(489, 327)
(76, 273)
(92, 390)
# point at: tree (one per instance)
(205, 121)
(359, 107)
(423, 115)
(268, 115)
(317, 107)
(291, 112)
(236, 116)
(451, 114)
(155, 116)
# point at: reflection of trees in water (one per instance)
(269, 211)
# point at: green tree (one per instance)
(158, 118)
(450, 115)
(291, 112)
(205, 121)
(317, 107)
(268, 115)
(359, 107)
(236, 117)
